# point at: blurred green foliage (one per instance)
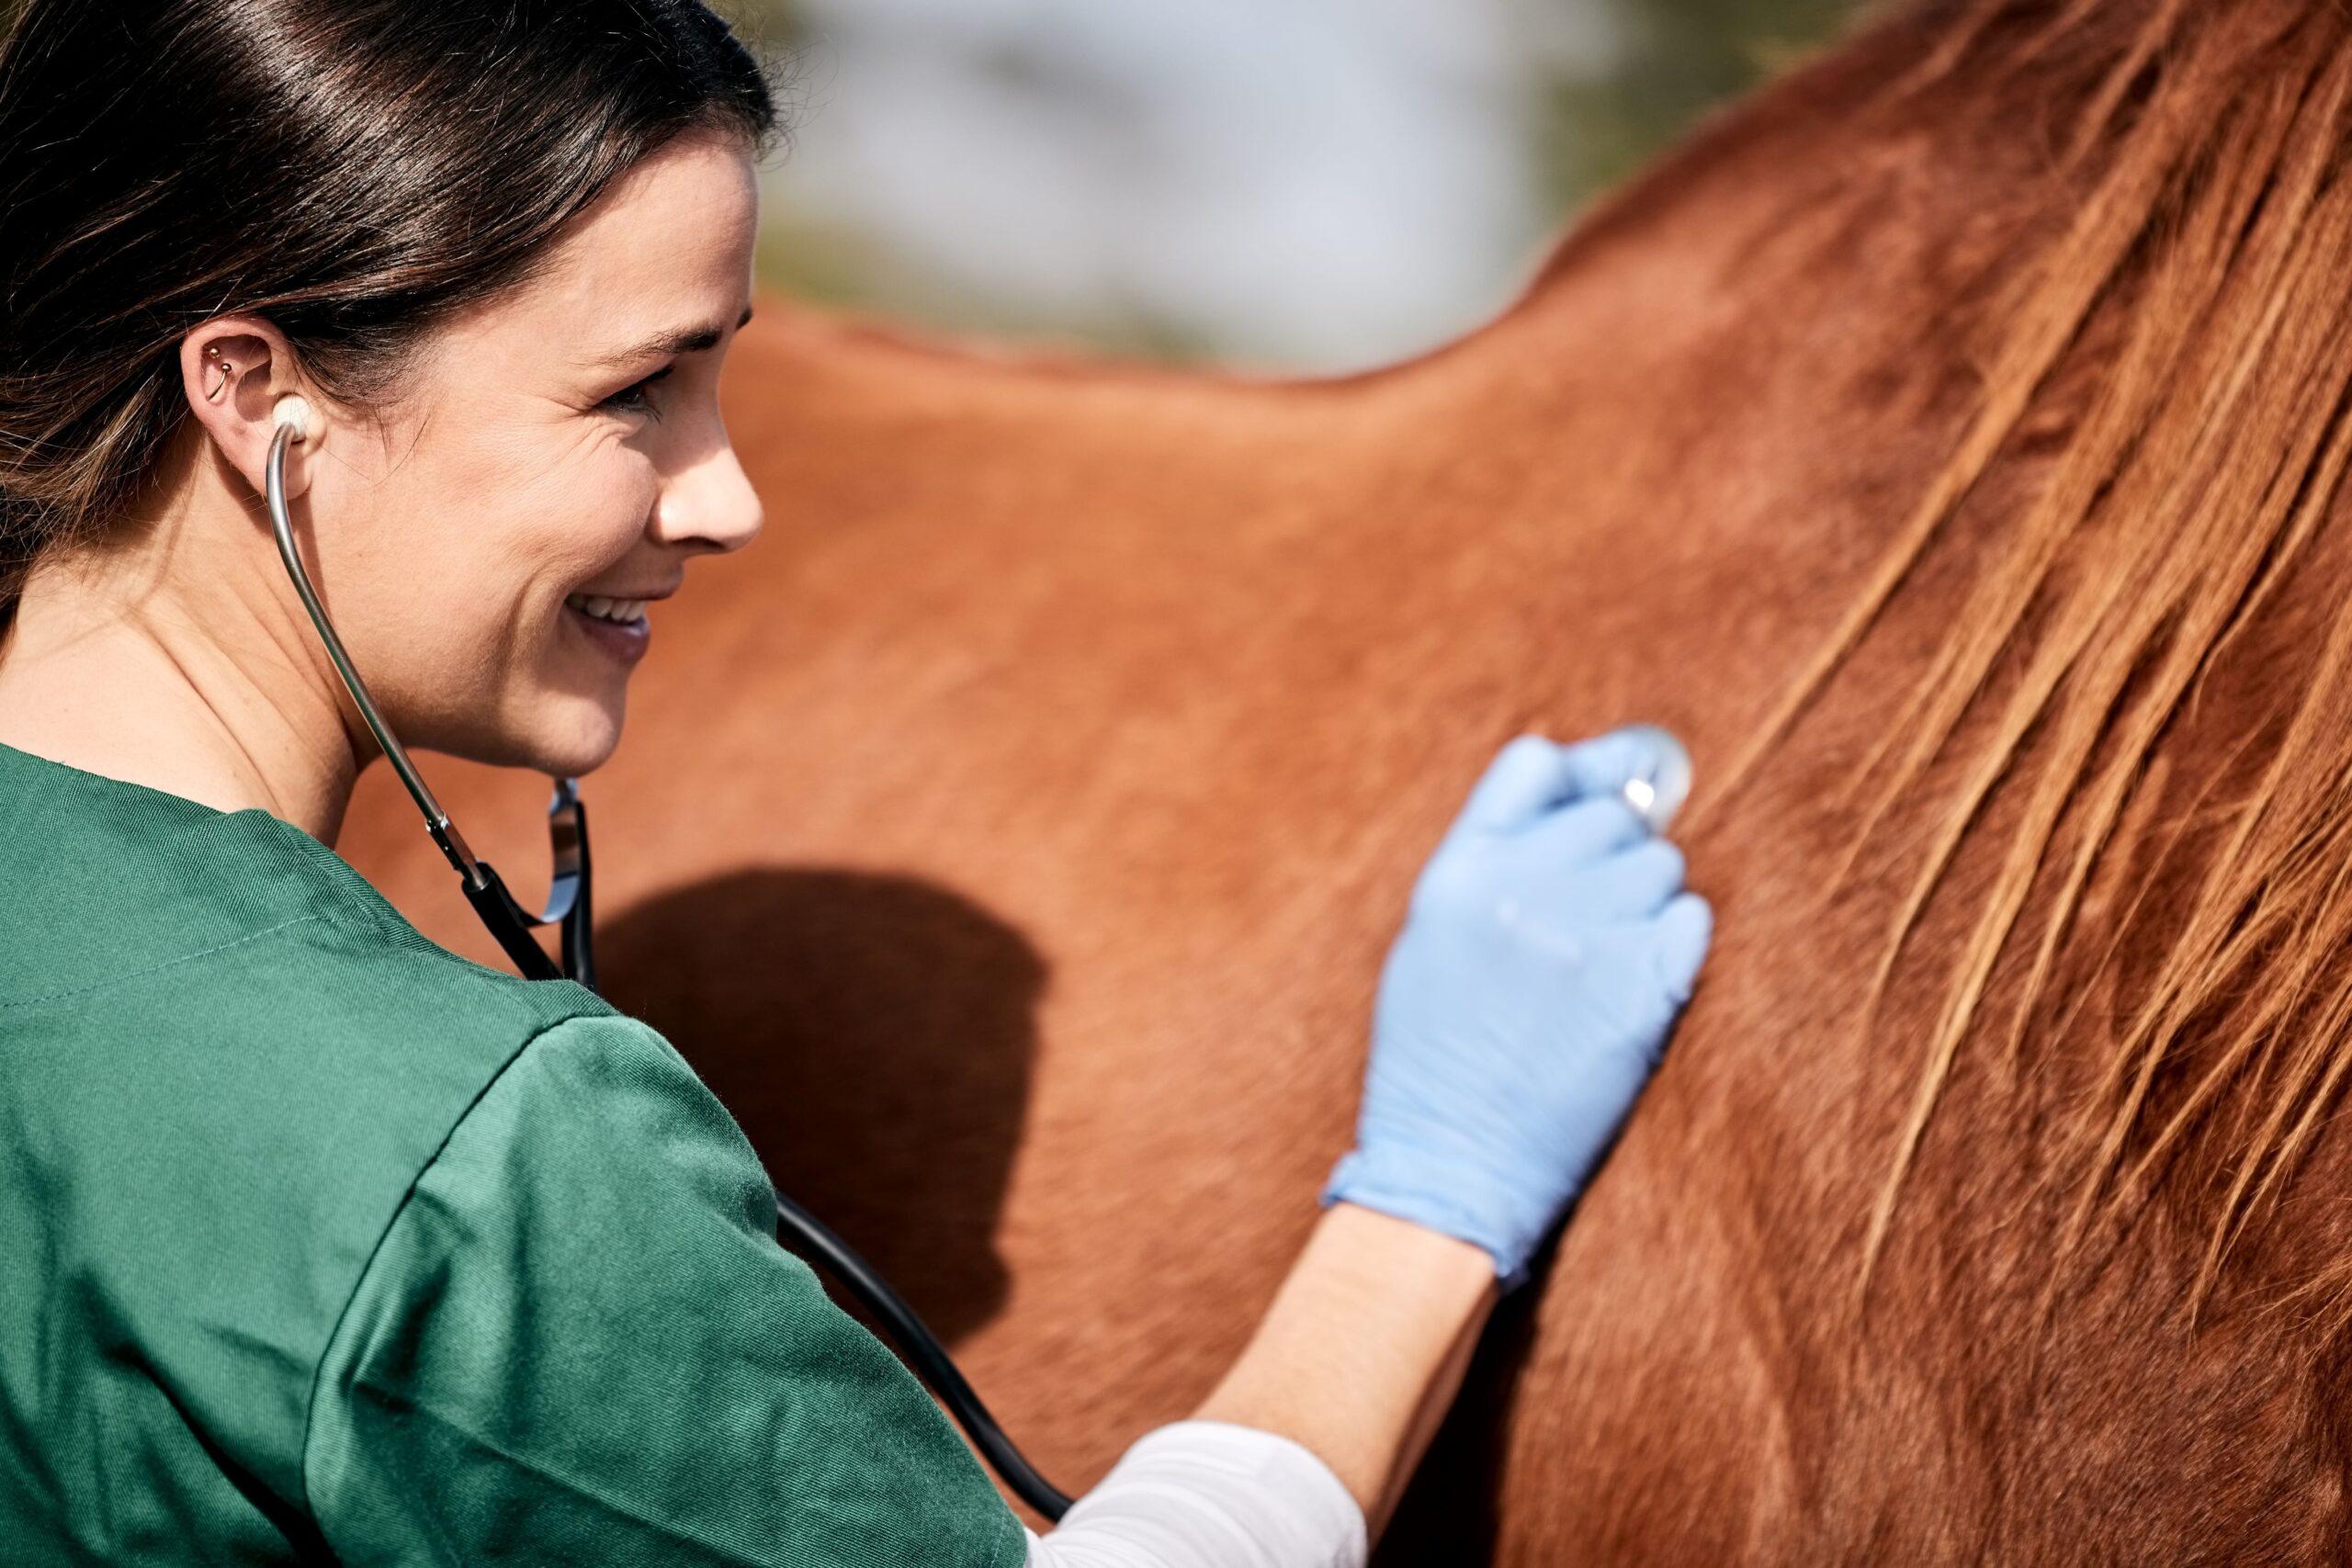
(1682, 58)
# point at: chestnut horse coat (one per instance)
(1013, 835)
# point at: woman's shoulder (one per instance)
(217, 1143)
(290, 1078)
(127, 897)
(305, 1010)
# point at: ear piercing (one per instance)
(291, 411)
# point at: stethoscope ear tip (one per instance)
(294, 411)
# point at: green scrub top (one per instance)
(319, 1242)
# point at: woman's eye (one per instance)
(632, 398)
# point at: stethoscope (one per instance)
(568, 908)
(1655, 798)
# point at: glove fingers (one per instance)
(1523, 781)
(1682, 931)
(1630, 885)
(1607, 763)
(1573, 837)
(1532, 776)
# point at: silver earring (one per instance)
(226, 370)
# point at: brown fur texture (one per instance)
(1946, 443)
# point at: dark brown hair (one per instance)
(353, 170)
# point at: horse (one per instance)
(1947, 442)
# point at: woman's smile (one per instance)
(616, 626)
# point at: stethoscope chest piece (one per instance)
(1658, 795)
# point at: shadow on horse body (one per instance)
(1946, 444)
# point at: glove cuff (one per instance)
(1493, 1223)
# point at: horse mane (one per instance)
(2185, 326)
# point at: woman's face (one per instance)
(556, 449)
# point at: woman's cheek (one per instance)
(596, 517)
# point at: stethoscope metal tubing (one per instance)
(568, 825)
(281, 523)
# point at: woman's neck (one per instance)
(145, 663)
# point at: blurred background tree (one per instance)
(1283, 185)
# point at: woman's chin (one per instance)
(574, 739)
(577, 754)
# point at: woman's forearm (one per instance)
(1296, 1460)
(1547, 951)
(1362, 1350)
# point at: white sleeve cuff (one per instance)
(1210, 1495)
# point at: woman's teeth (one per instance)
(626, 611)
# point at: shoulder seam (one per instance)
(153, 969)
(334, 1329)
(405, 938)
(499, 983)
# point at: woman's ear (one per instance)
(234, 371)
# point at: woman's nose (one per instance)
(711, 502)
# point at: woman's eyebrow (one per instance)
(662, 345)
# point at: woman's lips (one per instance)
(625, 643)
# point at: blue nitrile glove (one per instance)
(1548, 947)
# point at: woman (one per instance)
(325, 1244)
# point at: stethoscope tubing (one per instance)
(569, 905)
(281, 523)
(567, 902)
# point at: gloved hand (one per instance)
(1547, 950)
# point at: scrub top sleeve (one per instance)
(580, 1342)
